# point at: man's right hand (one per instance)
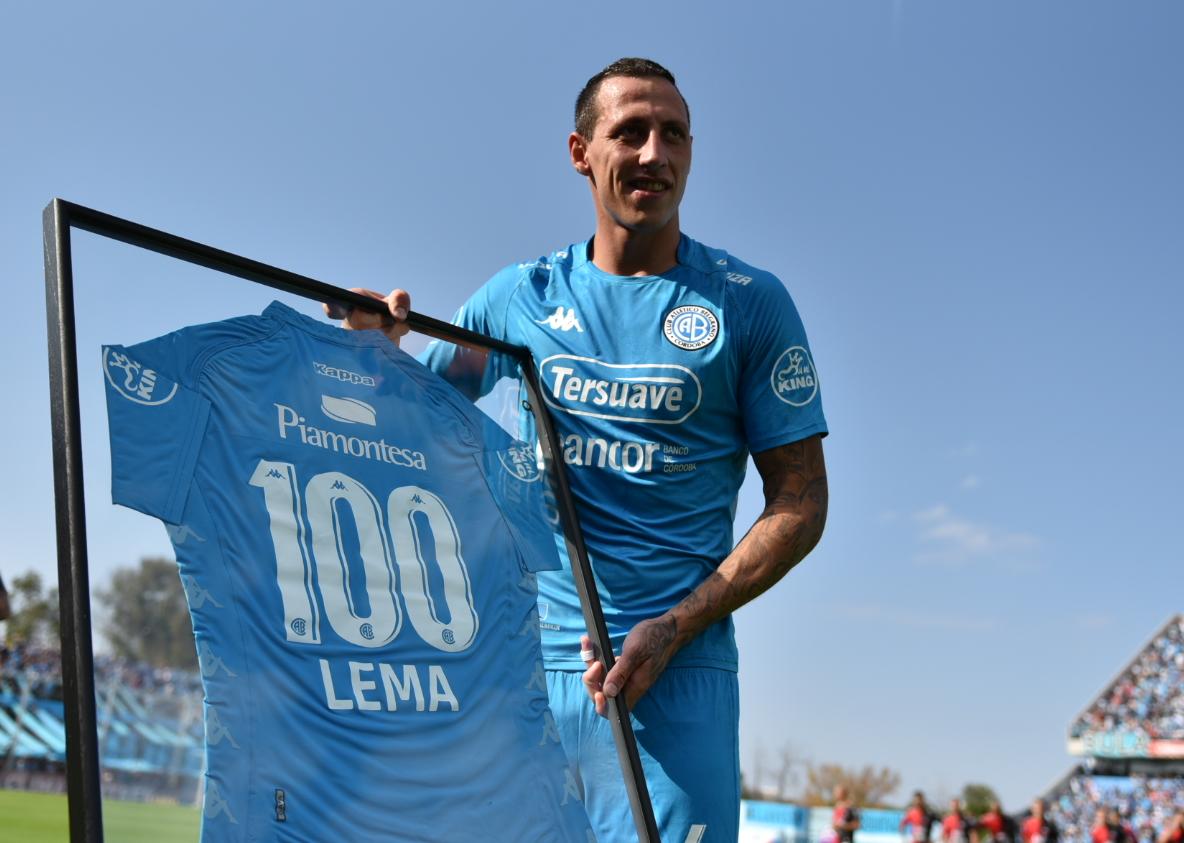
(393, 323)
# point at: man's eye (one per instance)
(675, 133)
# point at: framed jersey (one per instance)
(406, 595)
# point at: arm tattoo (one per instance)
(796, 499)
(656, 641)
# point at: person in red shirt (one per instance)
(956, 827)
(845, 819)
(1100, 832)
(998, 827)
(1173, 831)
(1038, 828)
(918, 820)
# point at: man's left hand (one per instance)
(647, 650)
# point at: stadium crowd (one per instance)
(1146, 807)
(1146, 699)
(40, 670)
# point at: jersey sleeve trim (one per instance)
(766, 443)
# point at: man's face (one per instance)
(639, 155)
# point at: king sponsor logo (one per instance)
(794, 380)
(520, 461)
(133, 380)
(649, 393)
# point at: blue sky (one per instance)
(978, 208)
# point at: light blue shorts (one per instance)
(687, 730)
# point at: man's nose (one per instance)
(653, 151)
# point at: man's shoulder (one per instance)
(536, 271)
(742, 277)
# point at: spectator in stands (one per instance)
(957, 826)
(845, 819)
(918, 820)
(996, 826)
(1148, 803)
(1100, 831)
(5, 607)
(1120, 832)
(1038, 828)
(1173, 831)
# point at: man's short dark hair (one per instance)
(633, 68)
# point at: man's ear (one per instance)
(577, 147)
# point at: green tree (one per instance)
(145, 617)
(977, 799)
(35, 619)
(867, 786)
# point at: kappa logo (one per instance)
(650, 393)
(348, 410)
(181, 533)
(133, 380)
(343, 374)
(794, 380)
(691, 327)
(563, 319)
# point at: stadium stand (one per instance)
(1144, 703)
(1131, 740)
(149, 724)
(1144, 802)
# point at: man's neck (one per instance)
(620, 251)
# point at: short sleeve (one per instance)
(779, 388)
(518, 486)
(475, 373)
(156, 427)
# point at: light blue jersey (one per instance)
(660, 387)
(361, 584)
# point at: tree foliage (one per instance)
(35, 618)
(977, 799)
(146, 618)
(867, 786)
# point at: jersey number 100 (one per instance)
(294, 574)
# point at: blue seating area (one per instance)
(149, 720)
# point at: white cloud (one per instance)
(953, 540)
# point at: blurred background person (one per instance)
(918, 820)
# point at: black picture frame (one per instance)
(78, 689)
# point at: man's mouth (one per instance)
(649, 185)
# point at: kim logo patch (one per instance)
(133, 380)
(794, 380)
(521, 462)
(691, 327)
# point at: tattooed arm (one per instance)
(794, 478)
